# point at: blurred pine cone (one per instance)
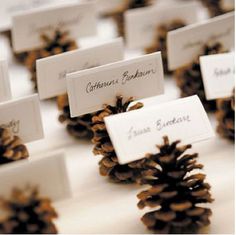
(26, 212)
(78, 127)
(189, 78)
(175, 192)
(225, 115)
(11, 147)
(57, 44)
(160, 43)
(109, 165)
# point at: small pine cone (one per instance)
(78, 127)
(11, 147)
(59, 43)
(160, 43)
(109, 166)
(26, 212)
(225, 115)
(175, 192)
(189, 78)
(118, 15)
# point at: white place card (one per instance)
(48, 173)
(23, 117)
(141, 24)
(77, 18)
(136, 133)
(218, 75)
(5, 90)
(105, 7)
(51, 71)
(188, 41)
(90, 89)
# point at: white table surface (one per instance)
(99, 206)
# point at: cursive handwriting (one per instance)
(132, 133)
(221, 72)
(14, 125)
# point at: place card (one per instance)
(218, 75)
(136, 133)
(77, 18)
(5, 90)
(139, 77)
(188, 41)
(49, 173)
(141, 24)
(22, 116)
(105, 7)
(51, 71)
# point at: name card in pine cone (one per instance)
(109, 166)
(225, 115)
(11, 147)
(26, 212)
(175, 191)
(189, 78)
(78, 127)
(60, 42)
(160, 43)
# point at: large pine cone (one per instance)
(11, 147)
(226, 117)
(78, 127)
(174, 192)
(109, 165)
(160, 43)
(59, 43)
(118, 15)
(189, 78)
(26, 212)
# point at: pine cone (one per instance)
(11, 147)
(118, 15)
(160, 43)
(109, 165)
(79, 127)
(226, 116)
(59, 43)
(26, 212)
(175, 192)
(189, 78)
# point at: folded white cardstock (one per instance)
(48, 173)
(5, 90)
(51, 71)
(79, 19)
(218, 74)
(188, 41)
(106, 7)
(136, 133)
(141, 24)
(90, 89)
(23, 117)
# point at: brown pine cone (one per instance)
(11, 147)
(57, 44)
(175, 192)
(109, 166)
(189, 79)
(225, 115)
(78, 127)
(215, 7)
(160, 43)
(26, 212)
(118, 14)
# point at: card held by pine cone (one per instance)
(5, 90)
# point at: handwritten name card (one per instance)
(218, 75)
(141, 24)
(51, 71)
(5, 90)
(49, 173)
(78, 19)
(23, 118)
(90, 89)
(188, 41)
(136, 133)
